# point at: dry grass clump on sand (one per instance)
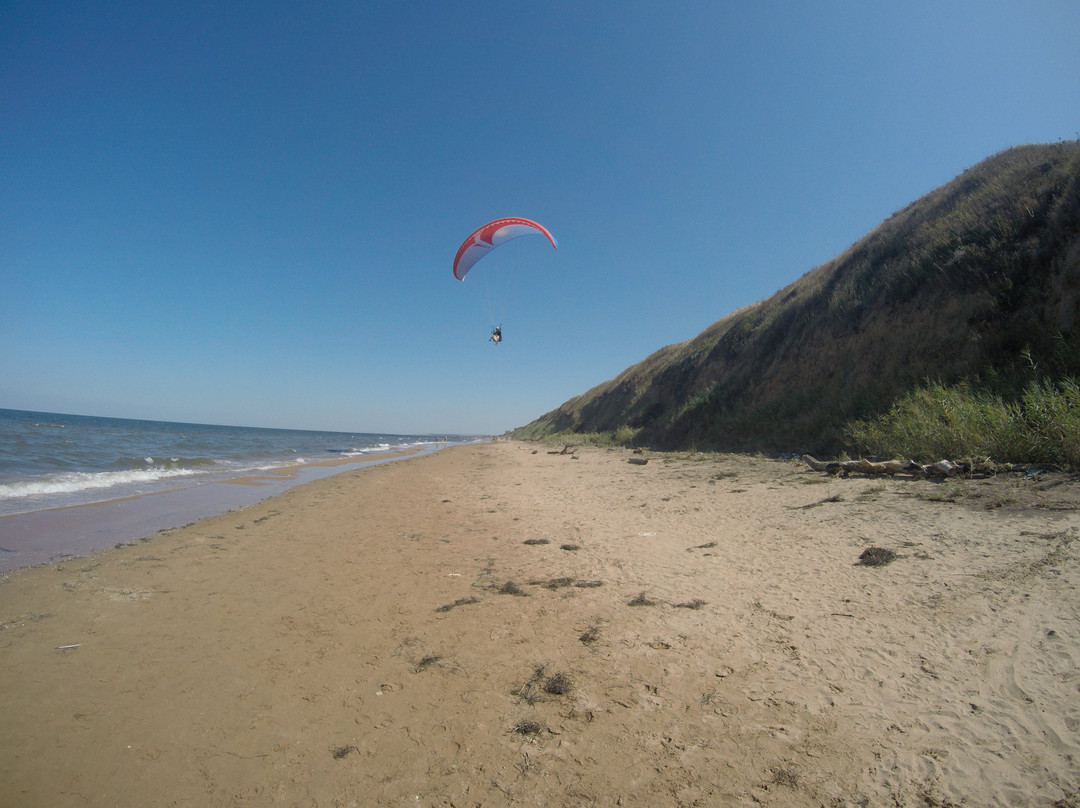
(696, 603)
(875, 557)
(539, 684)
(510, 588)
(558, 685)
(459, 602)
(558, 583)
(426, 662)
(527, 728)
(706, 546)
(590, 635)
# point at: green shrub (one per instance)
(935, 421)
(1051, 412)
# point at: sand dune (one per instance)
(496, 625)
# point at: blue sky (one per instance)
(246, 213)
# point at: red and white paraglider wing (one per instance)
(490, 236)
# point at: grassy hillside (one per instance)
(976, 284)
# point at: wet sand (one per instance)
(496, 625)
(36, 537)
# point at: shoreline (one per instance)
(44, 536)
(495, 625)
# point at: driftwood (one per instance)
(567, 449)
(638, 461)
(942, 468)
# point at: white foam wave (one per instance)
(76, 481)
(379, 448)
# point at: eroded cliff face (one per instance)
(981, 276)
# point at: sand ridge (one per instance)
(496, 625)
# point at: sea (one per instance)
(72, 484)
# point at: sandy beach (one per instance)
(498, 625)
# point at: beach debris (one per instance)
(590, 635)
(558, 583)
(564, 581)
(696, 603)
(527, 728)
(510, 588)
(775, 615)
(534, 542)
(570, 547)
(426, 662)
(983, 467)
(567, 449)
(638, 461)
(540, 684)
(459, 602)
(641, 600)
(786, 776)
(529, 690)
(338, 752)
(875, 557)
(71, 647)
(559, 685)
(820, 502)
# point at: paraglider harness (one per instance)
(496, 334)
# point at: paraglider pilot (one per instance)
(496, 334)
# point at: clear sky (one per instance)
(246, 213)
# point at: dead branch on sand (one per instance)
(942, 468)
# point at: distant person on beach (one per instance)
(496, 334)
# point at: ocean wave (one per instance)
(163, 462)
(379, 448)
(76, 481)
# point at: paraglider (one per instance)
(487, 238)
(491, 235)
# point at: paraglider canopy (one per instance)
(491, 235)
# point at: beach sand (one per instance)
(497, 625)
